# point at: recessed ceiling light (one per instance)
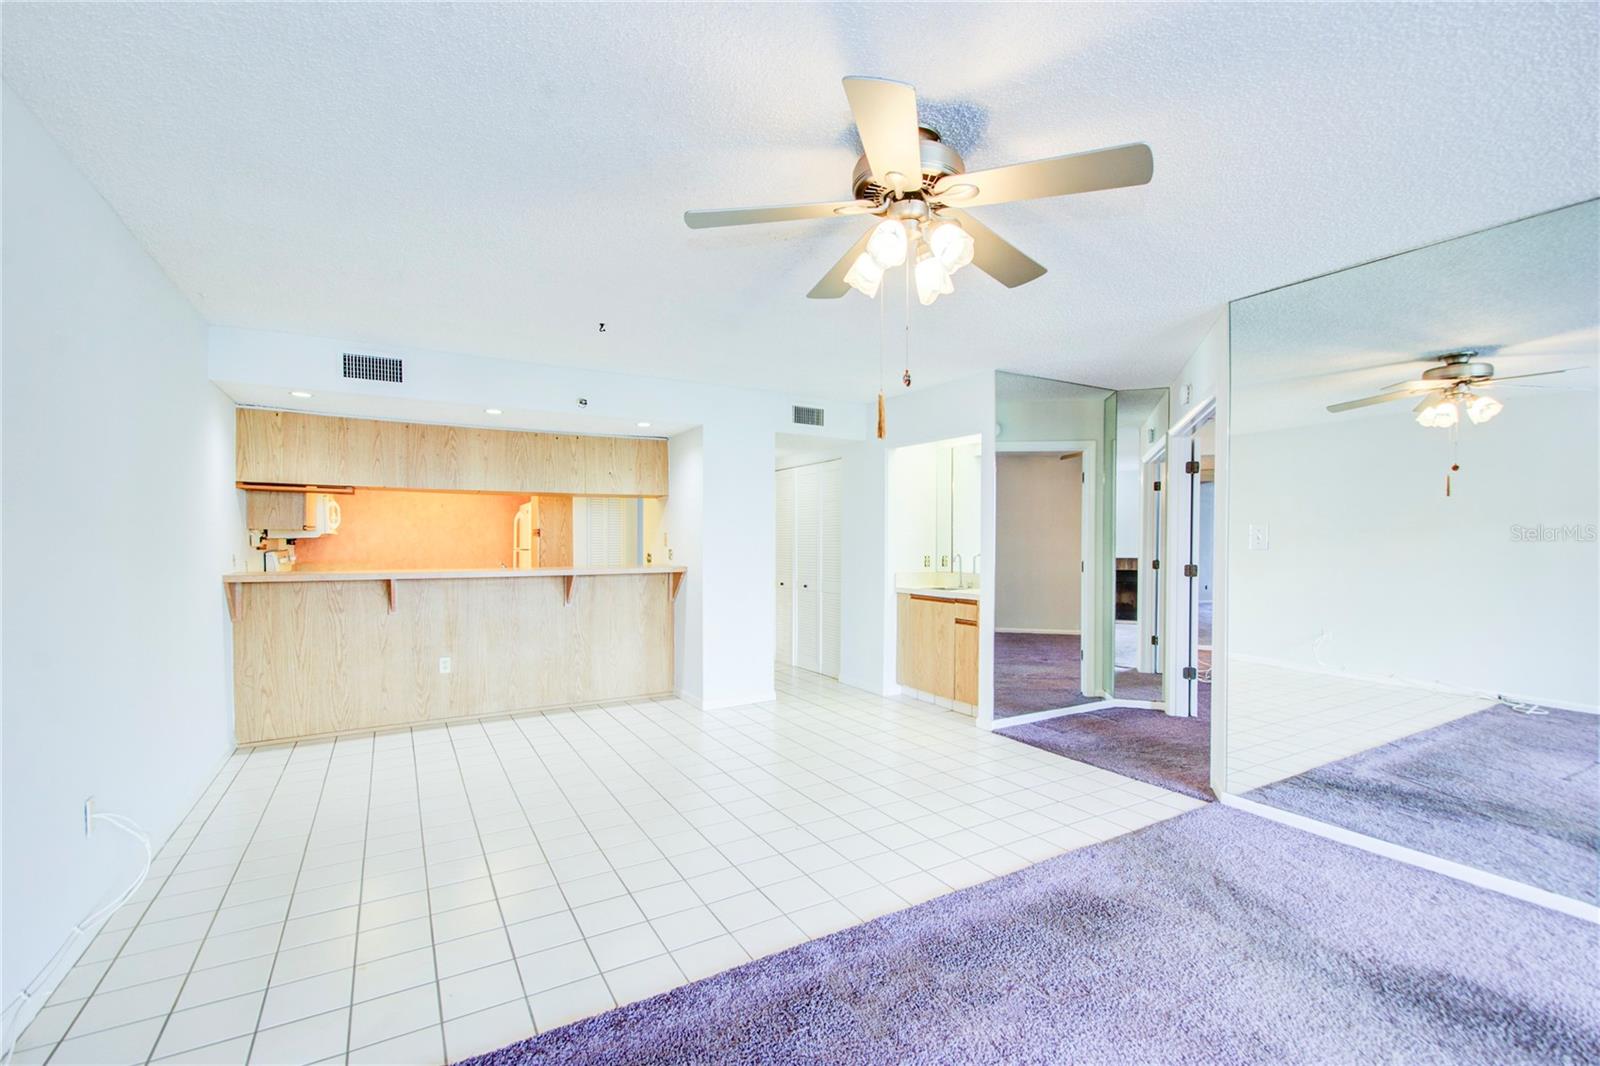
(642, 425)
(300, 395)
(493, 411)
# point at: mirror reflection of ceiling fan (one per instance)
(918, 186)
(1455, 385)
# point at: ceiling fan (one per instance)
(1447, 388)
(918, 186)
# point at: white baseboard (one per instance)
(1043, 716)
(1411, 857)
(1040, 632)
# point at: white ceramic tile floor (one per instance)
(432, 893)
(1283, 722)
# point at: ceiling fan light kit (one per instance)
(911, 179)
(1447, 389)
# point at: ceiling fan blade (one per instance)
(1421, 384)
(1368, 401)
(993, 254)
(745, 216)
(886, 118)
(832, 285)
(1104, 168)
(1498, 378)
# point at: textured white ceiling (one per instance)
(502, 178)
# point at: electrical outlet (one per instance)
(444, 664)
(88, 816)
(1259, 540)
(927, 561)
(648, 558)
(669, 555)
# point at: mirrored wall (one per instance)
(1411, 548)
(1076, 534)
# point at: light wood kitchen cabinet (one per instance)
(288, 448)
(966, 661)
(938, 646)
(275, 510)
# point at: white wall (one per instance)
(1367, 553)
(865, 573)
(1039, 528)
(681, 521)
(120, 516)
(913, 528)
(1203, 378)
(1129, 494)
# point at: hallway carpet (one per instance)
(1146, 745)
(1511, 793)
(1037, 672)
(1213, 937)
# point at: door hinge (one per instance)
(1155, 564)
(1192, 466)
(1155, 641)
(1083, 476)
(1156, 487)
(1081, 570)
(1191, 570)
(1190, 673)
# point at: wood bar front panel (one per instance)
(283, 447)
(318, 657)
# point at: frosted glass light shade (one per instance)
(1482, 408)
(887, 245)
(1437, 412)
(865, 275)
(952, 245)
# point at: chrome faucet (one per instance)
(959, 569)
(975, 568)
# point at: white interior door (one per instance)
(785, 568)
(807, 564)
(828, 569)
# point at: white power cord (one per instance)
(21, 999)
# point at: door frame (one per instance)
(1152, 548)
(1182, 517)
(1090, 683)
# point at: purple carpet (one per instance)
(1148, 746)
(1214, 937)
(1037, 672)
(1511, 793)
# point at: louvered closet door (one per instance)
(808, 623)
(784, 569)
(828, 569)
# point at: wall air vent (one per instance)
(808, 416)
(373, 367)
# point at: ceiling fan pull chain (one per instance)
(881, 420)
(907, 377)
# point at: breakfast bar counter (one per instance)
(321, 652)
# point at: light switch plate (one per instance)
(444, 664)
(1259, 540)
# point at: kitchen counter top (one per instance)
(234, 584)
(969, 595)
(254, 576)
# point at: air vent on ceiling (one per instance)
(808, 416)
(373, 367)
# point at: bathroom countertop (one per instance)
(939, 594)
